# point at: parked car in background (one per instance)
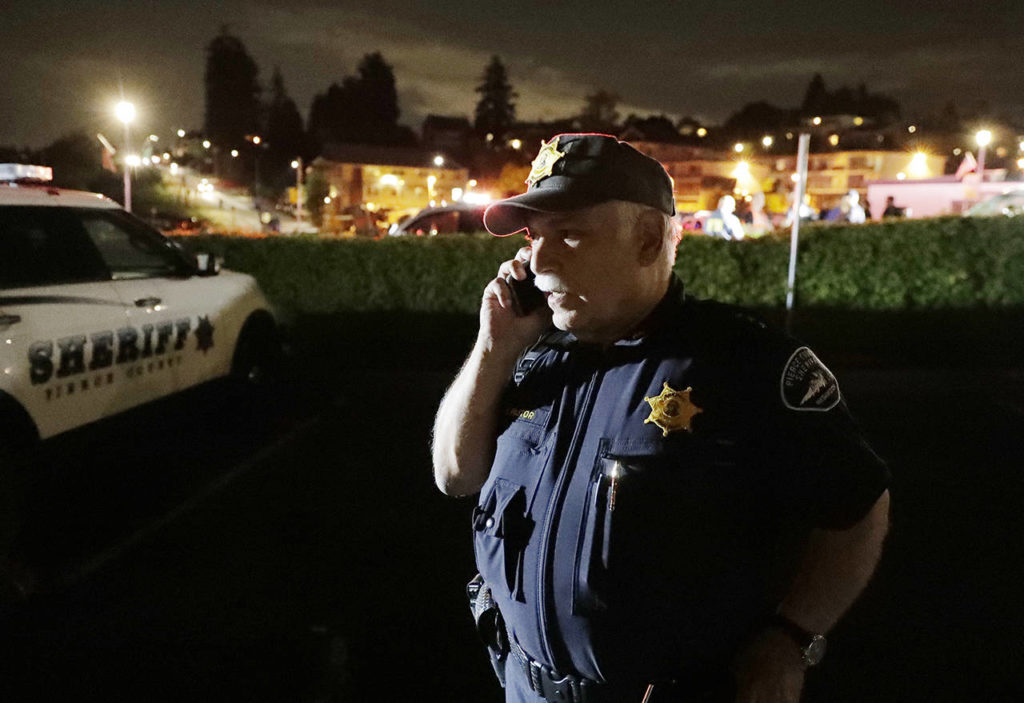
(1006, 204)
(448, 219)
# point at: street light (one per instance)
(297, 165)
(125, 112)
(256, 140)
(983, 138)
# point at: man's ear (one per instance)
(650, 232)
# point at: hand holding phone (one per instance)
(526, 296)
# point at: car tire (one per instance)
(258, 356)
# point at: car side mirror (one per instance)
(207, 264)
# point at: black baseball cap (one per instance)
(574, 171)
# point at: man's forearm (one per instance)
(835, 569)
(466, 421)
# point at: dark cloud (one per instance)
(68, 61)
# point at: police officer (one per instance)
(674, 502)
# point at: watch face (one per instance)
(815, 651)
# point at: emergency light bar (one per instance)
(25, 172)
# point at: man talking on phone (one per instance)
(674, 501)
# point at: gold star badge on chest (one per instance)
(672, 410)
(545, 161)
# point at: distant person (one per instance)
(760, 222)
(833, 214)
(891, 210)
(853, 211)
(723, 221)
(807, 213)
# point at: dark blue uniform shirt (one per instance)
(622, 552)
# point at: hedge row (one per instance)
(899, 265)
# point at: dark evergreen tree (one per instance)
(378, 99)
(363, 109)
(284, 135)
(496, 110)
(658, 128)
(599, 112)
(816, 97)
(232, 92)
(754, 119)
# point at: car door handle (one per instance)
(147, 302)
(6, 320)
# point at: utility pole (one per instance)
(127, 174)
(125, 112)
(298, 193)
(794, 239)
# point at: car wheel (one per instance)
(257, 360)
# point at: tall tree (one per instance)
(362, 109)
(284, 134)
(496, 110)
(232, 91)
(379, 100)
(599, 111)
(754, 119)
(815, 97)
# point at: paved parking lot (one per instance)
(295, 549)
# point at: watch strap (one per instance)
(812, 646)
(801, 636)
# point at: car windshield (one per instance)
(1005, 204)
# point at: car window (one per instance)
(45, 246)
(129, 248)
(435, 223)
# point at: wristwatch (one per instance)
(812, 646)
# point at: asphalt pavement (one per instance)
(292, 547)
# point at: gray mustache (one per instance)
(549, 284)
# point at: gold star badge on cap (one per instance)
(672, 410)
(546, 159)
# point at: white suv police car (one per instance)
(100, 313)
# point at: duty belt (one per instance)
(548, 684)
(556, 688)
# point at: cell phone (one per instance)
(526, 296)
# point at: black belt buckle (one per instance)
(563, 690)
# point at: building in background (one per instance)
(832, 175)
(384, 183)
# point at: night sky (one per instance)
(64, 63)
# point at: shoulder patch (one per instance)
(806, 383)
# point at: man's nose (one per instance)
(542, 255)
